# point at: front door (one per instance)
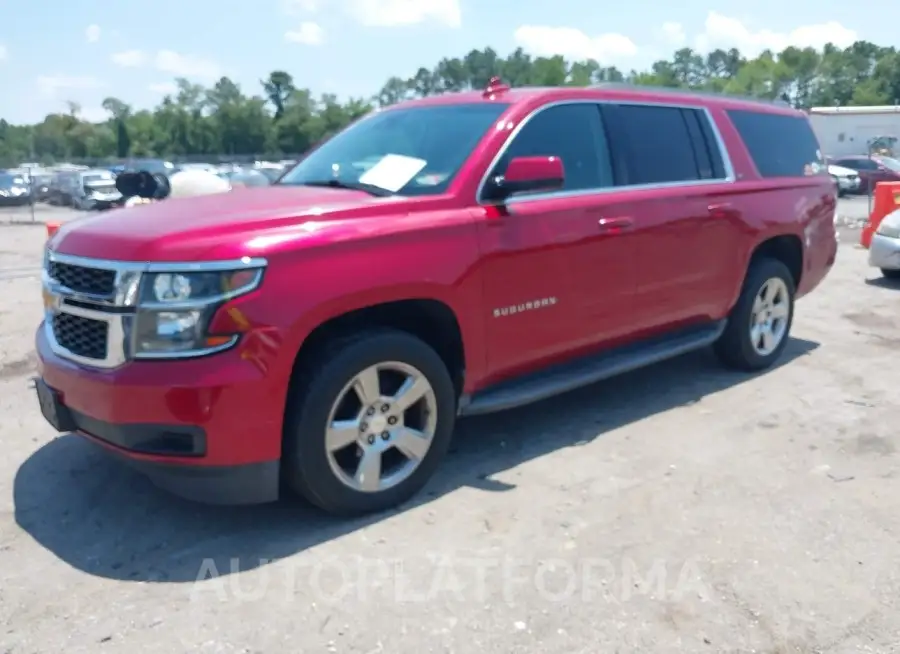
(553, 276)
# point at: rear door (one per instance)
(678, 181)
(553, 280)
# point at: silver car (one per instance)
(96, 190)
(884, 251)
(845, 179)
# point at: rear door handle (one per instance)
(613, 225)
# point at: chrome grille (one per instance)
(81, 336)
(92, 281)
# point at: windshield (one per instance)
(888, 162)
(412, 151)
(153, 166)
(7, 180)
(99, 178)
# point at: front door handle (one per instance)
(615, 225)
(723, 209)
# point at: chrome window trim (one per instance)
(124, 298)
(730, 176)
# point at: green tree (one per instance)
(287, 119)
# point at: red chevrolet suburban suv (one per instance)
(449, 256)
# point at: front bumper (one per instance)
(884, 252)
(14, 200)
(847, 185)
(205, 429)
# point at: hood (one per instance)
(840, 171)
(210, 227)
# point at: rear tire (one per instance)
(890, 273)
(759, 325)
(337, 389)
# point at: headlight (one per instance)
(890, 231)
(174, 310)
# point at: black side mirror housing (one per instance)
(143, 184)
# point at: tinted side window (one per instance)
(712, 144)
(701, 150)
(857, 164)
(572, 132)
(780, 145)
(655, 142)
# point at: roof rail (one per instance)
(700, 94)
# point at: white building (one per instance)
(850, 130)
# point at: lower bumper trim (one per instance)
(249, 483)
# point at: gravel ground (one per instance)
(677, 509)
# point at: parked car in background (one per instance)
(62, 187)
(846, 180)
(871, 170)
(96, 189)
(248, 177)
(271, 170)
(40, 186)
(884, 251)
(14, 190)
(151, 166)
(271, 173)
(196, 166)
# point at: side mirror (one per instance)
(143, 184)
(527, 175)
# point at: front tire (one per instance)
(891, 273)
(760, 323)
(368, 422)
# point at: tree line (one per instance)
(282, 118)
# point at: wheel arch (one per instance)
(433, 319)
(786, 248)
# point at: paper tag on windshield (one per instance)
(393, 172)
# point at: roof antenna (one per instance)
(495, 87)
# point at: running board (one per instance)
(583, 372)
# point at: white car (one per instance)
(884, 251)
(846, 179)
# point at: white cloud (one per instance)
(50, 85)
(720, 31)
(92, 33)
(298, 7)
(129, 58)
(674, 34)
(572, 43)
(396, 13)
(181, 65)
(164, 88)
(4, 53)
(307, 34)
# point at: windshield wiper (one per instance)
(371, 189)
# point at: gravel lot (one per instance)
(678, 509)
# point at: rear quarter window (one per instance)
(780, 145)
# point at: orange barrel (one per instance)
(887, 200)
(52, 228)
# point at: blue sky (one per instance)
(52, 51)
